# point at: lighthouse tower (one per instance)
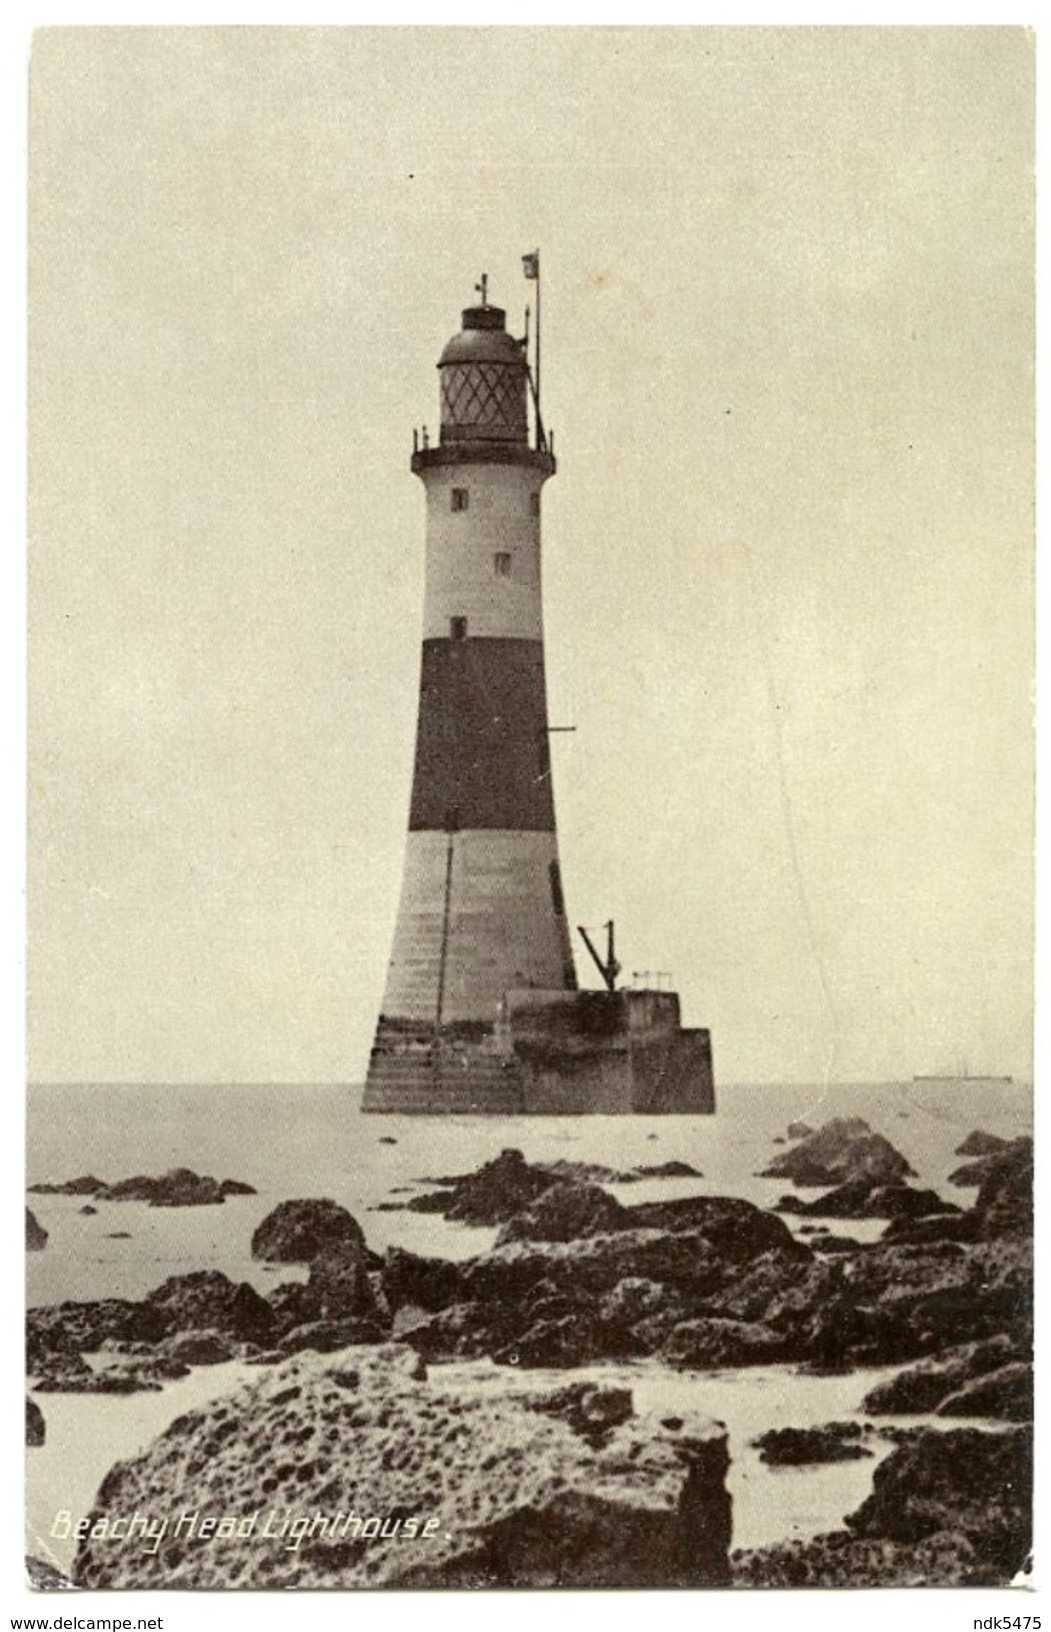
(481, 909)
(481, 1010)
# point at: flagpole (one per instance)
(541, 439)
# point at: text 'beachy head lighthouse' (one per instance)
(481, 1010)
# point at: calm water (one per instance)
(293, 1140)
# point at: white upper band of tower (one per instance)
(483, 551)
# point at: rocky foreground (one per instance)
(356, 1474)
(575, 1277)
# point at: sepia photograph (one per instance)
(530, 808)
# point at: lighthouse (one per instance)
(481, 1011)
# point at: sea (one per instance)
(300, 1140)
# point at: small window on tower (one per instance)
(534, 504)
(502, 564)
(458, 628)
(460, 498)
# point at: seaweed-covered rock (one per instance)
(979, 1143)
(71, 1328)
(296, 1231)
(498, 1190)
(845, 1148)
(36, 1427)
(422, 1283)
(798, 1447)
(341, 1285)
(129, 1379)
(43, 1577)
(326, 1336)
(962, 1227)
(947, 1509)
(203, 1348)
(863, 1198)
(1007, 1394)
(1004, 1204)
(179, 1187)
(737, 1231)
(86, 1185)
(563, 1212)
(673, 1169)
(638, 1502)
(707, 1343)
(957, 1480)
(923, 1387)
(839, 1559)
(1012, 1157)
(208, 1300)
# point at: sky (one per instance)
(788, 332)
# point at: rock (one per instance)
(922, 1388)
(86, 1185)
(666, 1170)
(634, 1299)
(36, 1427)
(291, 1304)
(237, 1187)
(296, 1231)
(845, 1148)
(106, 1380)
(862, 1198)
(735, 1230)
(837, 1243)
(797, 1447)
(208, 1300)
(589, 1409)
(66, 1328)
(841, 1560)
(1004, 1204)
(957, 1480)
(36, 1235)
(52, 1372)
(424, 1283)
(88, 1209)
(204, 1348)
(180, 1187)
(799, 1130)
(710, 1343)
(646, 1506)
(498, 1190)
(1012, 1156)
(582, 1172)
(563, 1212)
(386, 1139)
(325, 1336)
(1006, 1394)
(118, 1235)
(979, 1143)
(938, 1227)
(43, 1577)
(559, 1340)
(340, 1284)
(947, 1509)
(592, 1265)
